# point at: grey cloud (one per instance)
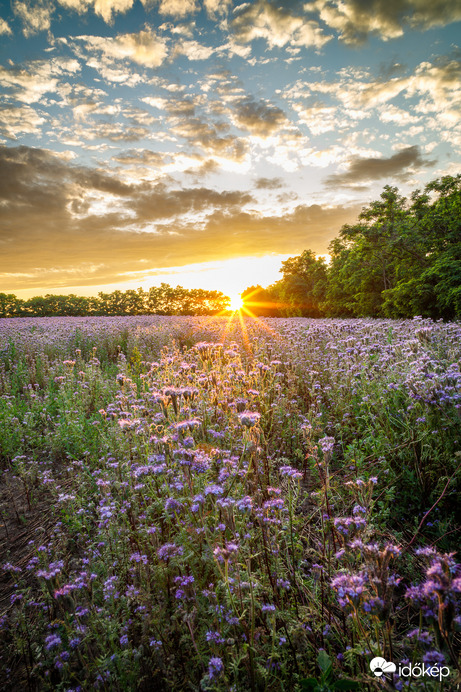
(374, 169)
(207, 136)
(268, 183)
(259, 117)
(160, 203)
(35, 178)
(430, 13)
(355, 20)
(181, 108)
(143, 157)
(391, 69)
(207, 167)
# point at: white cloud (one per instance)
(276, 25)
(4, 28)
(192, 50)
(39, 77)
(144, 48)
(107, 8)
(319, 118)
(104, 8)
(437, 84)
(393, 114)
(214, 7)
(34, 14)
(177, 8)
(440, 85)
(19, 120)
(155, 102)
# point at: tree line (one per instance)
(158, 300)
(402, 258)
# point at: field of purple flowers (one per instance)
(232, 505)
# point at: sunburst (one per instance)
(240, 309)
(236, 302)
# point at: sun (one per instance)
(236, 302)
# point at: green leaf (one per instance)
(327, 675)
(309, 684)
(324, 660)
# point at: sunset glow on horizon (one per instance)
(202, 143)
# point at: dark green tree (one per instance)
(302, 290)
(10, 305)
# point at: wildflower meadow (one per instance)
(229, 504)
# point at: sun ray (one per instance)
(241, 309)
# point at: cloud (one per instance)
(216, 7)
(356, 20)
(30, 83)
(177, 107)
(437, 84)
(208, 138)
(206, 167)
(5, 28)
(144, 48)
(104, 8)
(143, 157)
(260, 118)
(276, 25)
(177, 8)
(115, 132)
(432, 13)
(392, 114)
(34, 14)
(246, 233)
(268, 183)
(356, 89)
(51, 231)
(36, 180)
(16, 120)
(370, 169)
(107, 8)
(318, 118)
(192, 50)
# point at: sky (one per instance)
(202, 142)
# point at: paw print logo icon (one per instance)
(379, 666)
